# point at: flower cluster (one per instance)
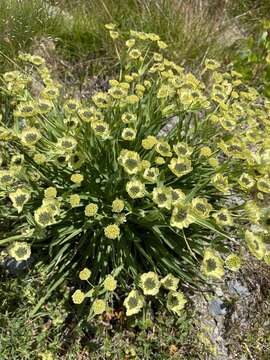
(106, 181)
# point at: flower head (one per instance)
(135, 189)
(133, 302)
(74, 200)
(149, 142)
(182, 149)
(112, 231)
(201, 207)
(177, 196)
(150, 283)
(220, 182)
(19, 251)
(170, 282)
(118, 205)
(151, 174)
(246, 181)
(180, 166)
(19, 198)
(176, 301)
(129, 134)
(101, 129)
(181, 216)
(78, 297)
(212, 264)
(91, 210)
(110, 283)
(130, 160)
(162, 197)
(77, 178)
(98, 306)
(85, 274)
(233, 262)
(44, 216)
(30, 136)
(50, 193)
(223, 217)
(163, 148)
(255, 244)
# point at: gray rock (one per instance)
(236, 288)
(217, 307)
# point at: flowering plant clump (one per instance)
(138, 186)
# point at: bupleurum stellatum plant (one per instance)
(117, 200)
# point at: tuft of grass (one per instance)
(190, 27)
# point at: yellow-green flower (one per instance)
(162, 197)
(159, 160)
(135, 54)
(114, 34)
(67, 143)
(180, 166)
(53, 204)
(25, 109)
(130, 160)
(151, 174)
(101, 129)
(201, 207)
(19, 198)
(91, 210)
(39, 158)
(19, 251)
(263, 184)
(233, 262)
(74, 200)
(163, 148)
(44, 216)
(170, 282)
(50, 93)
(118, 205)
(205, 151)
(112, 231)
(182, 149)
(86, 114)
(176, 302)
(149, 142)
(50, 192)
(78, 297)
(101, 100)
(145, 164)
(181, 217)
(212, 264)
(71, 106)
(128, 117)
(135, 189)
(110, 283)
(223, 217)
(98, 306)
(221, 183)
(252, 211)
(85, 274)
(255, 244)
(129, 134)
(77, 178)
(117, 92)
(246, 181)
(37, 60)
(30, 136)
(212, 161)
(150, 284)
(44, 106)
(177, 196)
(211, 64)
(130, 43)
(133, 302)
